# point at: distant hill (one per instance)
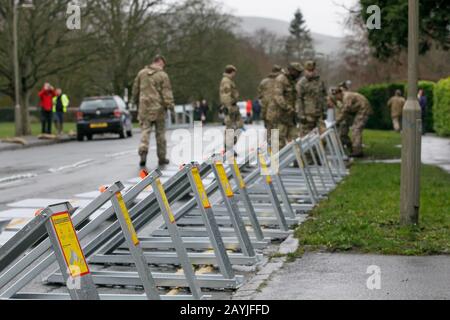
(325, 44)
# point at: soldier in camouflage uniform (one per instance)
(311, 100)
(152, 92)
(357, 106)
(265, 94)
(284, 101)
(396, 105)
(343, 127)
(229, 97)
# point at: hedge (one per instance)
(379, 95)
(442, 107)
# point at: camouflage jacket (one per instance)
(266, 91)
(284, 98)
(396, 105)
(352, 104)
(312, 95)
(229, 95)
(152, 93)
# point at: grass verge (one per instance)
(363, 213)
(7, 129)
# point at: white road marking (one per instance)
(72, 166)
(121, 154)
(18, 177)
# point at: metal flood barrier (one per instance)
(226, 223)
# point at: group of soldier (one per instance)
(294, 102)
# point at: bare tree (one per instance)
(46, 48)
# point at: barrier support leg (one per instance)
(132, 240)
(210, 222)
(171, 225)
(68, 253)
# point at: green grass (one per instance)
(382, 144)
(7, 129)
(363, 213)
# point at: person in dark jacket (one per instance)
(204, 106)
(197, 111)
(46, 96)
(256, 111)
(423, 101)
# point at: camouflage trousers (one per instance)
(269, 127)
(344, 134)
(397, 123)
(160, 130)
(233, 121)
(309, 123)
(288, 133)
(357, 131)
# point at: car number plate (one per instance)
(98, 125)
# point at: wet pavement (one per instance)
(345, 277)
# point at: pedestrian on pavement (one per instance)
(197, 111)
(356, 106)
(423, 101)
(249, 110)
(396, 105)
(229, 97)
(256, 111)
(60, 104)
(152, 93)
(204, 107)
(46, 103)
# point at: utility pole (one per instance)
(412, 129)
(17, 111)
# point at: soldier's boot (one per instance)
(143, 162)
(164, 162)
(357, 153)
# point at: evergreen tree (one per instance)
(299, 45)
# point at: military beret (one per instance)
(276, 68)
(160, 57)
(310, 65)
(230, 68)
(296, 66)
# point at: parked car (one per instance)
(100, 115)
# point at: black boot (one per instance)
(164, 162)
(143, 162)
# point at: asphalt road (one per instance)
(63, 170)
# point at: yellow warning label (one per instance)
(127, 217)
(201, 188)
(165, 200)
(239, 175)
(70, 246)
(265, 170)
(224, 180)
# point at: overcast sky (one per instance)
(322, 16)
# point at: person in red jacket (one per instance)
(46, 102)
(249, 111)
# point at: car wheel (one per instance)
(89, 137)
(80, 137)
